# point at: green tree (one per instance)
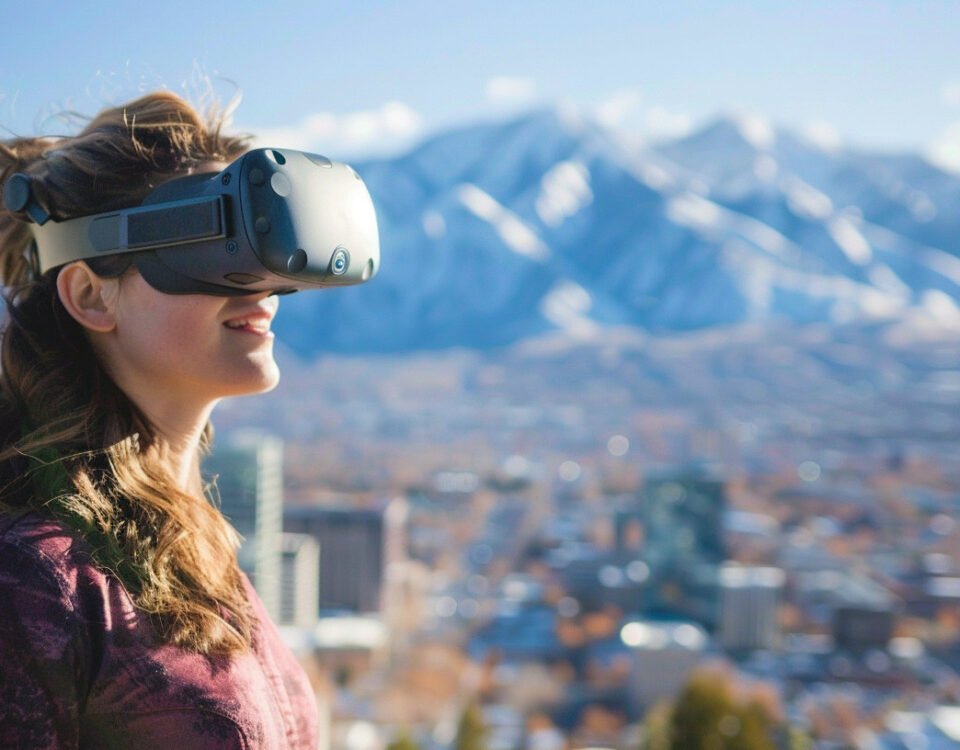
(656, 727)
(403, 741)
(798, 739)
(471, 731)
(707, 716)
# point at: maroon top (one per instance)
(80, 667)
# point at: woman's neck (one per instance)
(180, 431)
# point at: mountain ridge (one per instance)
(493, 233)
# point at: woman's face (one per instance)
(194, 347)
(175, 353)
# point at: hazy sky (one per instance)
(354, 76)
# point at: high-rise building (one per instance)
(683, 545)
(299, 580)
(249, 480)
(355, 547)
(749, 603)
(684, 518)
(675, 527)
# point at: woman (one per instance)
(124, 619)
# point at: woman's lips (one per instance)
(256, 324)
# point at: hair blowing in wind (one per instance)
(73, 444)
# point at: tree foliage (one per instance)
(709, 715)
(403, 741)
(471, 731)
(656, 727)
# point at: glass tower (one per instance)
(249, 479)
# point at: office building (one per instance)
(356, 545)
(749, 604)
(249, 480)
(684, 519)
(683, 545)
(861, 628)
(299, 580)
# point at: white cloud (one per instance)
(623, 111)
(659, 123)
(945, 151)
(754, 129)
(616, 109)
(373, 130)
(822, 135)
(511, 89)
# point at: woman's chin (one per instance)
(258, 379)
(269, 379)
(271, 382)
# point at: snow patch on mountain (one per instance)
(656, 177)
(566, 306)
(805, 200)
(564, 190)
(885, 278)
(515, 234)
(923, 209)
(695, 212)
(934, 259)
(765, 168)
(755, 130)
(760, 277)
(940, 307)
(888, 182)
(705, 216)
(756, 280)
(856, 301)
(850, 240)
(943, 263)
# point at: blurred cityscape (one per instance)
(567, 543)
(629, 445)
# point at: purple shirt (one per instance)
(81, 668)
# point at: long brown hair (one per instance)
(72, 444)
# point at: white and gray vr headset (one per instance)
(274, 220)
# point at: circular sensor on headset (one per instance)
(339, 262)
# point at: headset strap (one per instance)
(130, 230)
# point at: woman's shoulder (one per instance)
(37, 550)
(44, 534)
(31, 526)
(56, 600)
(50, 628)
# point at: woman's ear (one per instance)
(90, 299)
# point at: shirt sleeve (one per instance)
(41, 633)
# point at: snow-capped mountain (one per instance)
(497, 232)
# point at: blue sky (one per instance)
(357, 77)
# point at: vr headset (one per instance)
(274, 220)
